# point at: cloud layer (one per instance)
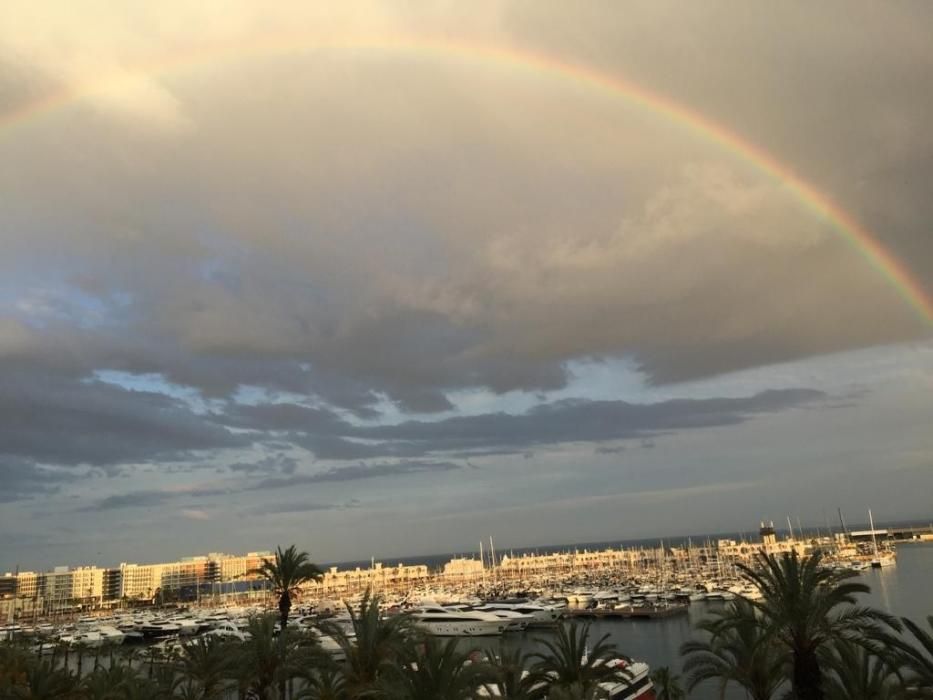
(261, 243)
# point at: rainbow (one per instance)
(867, 244)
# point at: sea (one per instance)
(902, 590)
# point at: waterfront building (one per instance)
(378, 578)
(462, 570)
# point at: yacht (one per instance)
(637, 686)
(540, 614)
(883, 559)
(441, 622)
(90, 640)
(226, 630)
(157, 629)
(516, 621)
(110, 634)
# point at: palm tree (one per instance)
(567, 665)
(434, 671)
(857, 674)
(512, 680)
(806, 607)
(324, 682)
(107, 683)
(911, 659)
(737, 651)
(206, 662)
(290, 569)
(262, 660)
(14, 665)
(42, 682)
(667, 685)
(377, 642)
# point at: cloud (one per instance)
(22, 479)
(267, 465)
(194, 514)
(303, 507)
(152, 498)
(582, 421)
(54, 420)
(356, 473)
(399, 257)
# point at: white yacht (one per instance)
(110, 634)
(157, 629)
(83, 638)
(226, 630)
(442, 622)
(637, 686)
(517, 622)
(540, 614)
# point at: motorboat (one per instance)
(441, 622)
(637, 686)
(82, 638)
(157, 629)
(541, 615)
(111, 635)
(517, 622)
(226, 630)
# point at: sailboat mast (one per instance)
(874, 542)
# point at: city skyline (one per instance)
(383, 281)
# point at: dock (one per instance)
(648, 612)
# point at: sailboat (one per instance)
(879, 559)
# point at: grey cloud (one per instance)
(374, 281)
(572, 420)
(150, 498)
(56, 420)
(582, 420)
(304, 507)
(356, 473)
(23, 479)
(267, 465)
(610, 449)
(282, 416)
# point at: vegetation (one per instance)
(569, 667)
(667, 684)
(736, 650)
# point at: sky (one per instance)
(384, 279)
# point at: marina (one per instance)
(644, 625)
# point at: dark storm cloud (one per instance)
(304, 507)
(282, 416)
(587, 421)
(22, 479)
(576, 420)
(355, 473)
(57, 420)
(267, 465)
(150, 498)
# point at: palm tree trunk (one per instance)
(808, 676)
